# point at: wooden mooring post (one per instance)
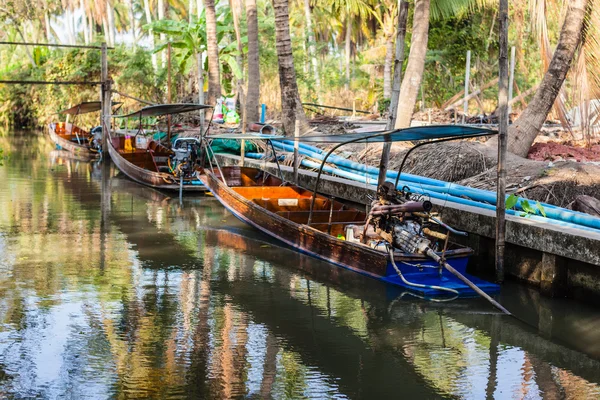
(105, 100)
(502, 140)
(296, 152)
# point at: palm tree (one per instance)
(416, 63)
(253, 91)
(525, 129)
(212, 45)
(312, 52)
(291, 105)
(350, 11)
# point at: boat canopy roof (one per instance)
(164, 109)
(397, 135)
(84, 108)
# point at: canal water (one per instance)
(109, 289)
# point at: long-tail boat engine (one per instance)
(185, 157)
(402, 221)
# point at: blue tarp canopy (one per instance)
(398, 135)
(164, 109)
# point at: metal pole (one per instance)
(105, 121)
(511, 78)
(296, 155)
(467, 77)
(398, 61)
(169, 91)
(502, 140)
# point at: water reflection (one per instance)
(111, 289)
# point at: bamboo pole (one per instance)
(397, 81)
(502, 140)
(467, 77)
(511, 78)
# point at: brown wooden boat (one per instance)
(72, 138)
(155, 164)
(149, 166)
(282, 211)
(399, 241)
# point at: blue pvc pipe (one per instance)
(427, 191)
(458, 191)
(263, 113)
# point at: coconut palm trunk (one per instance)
(239, 82)
(525, 129)
(161, 16)
(48, 29)
(214, 75)
(253, 91)
(348, 40)
(150, 32)
(110, 11)
(312, 51)
(291, 106)
(84, 25)
(416, 64)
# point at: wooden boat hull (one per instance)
(80, 150)
(354, 256)
(158, 180)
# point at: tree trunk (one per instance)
(111, 22)
(27, 50)
(150, 32)
(190, 11)
(387, 68)
(348, 40)
(199, 8)
(312, 51)
(200, 85)
(131, 17)
(253, 91)
(48, 27)
(236, 11)
(92, 26)
(161, 16)
(84, 24)
(290, 98)
(416, 64)
(105, 31)
(525, 129)
(214, 75)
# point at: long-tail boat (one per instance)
(73, 138)
(159, 165)
(396, 238)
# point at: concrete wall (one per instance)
(560, 261)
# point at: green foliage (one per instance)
(36, 105)
(512, 202)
